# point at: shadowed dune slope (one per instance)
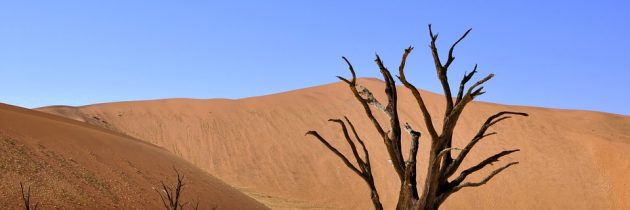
(568, 159)
(74, 165)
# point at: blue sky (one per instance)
(562, 54)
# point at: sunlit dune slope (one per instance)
(568, 159)
(74, 165)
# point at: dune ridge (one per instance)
(75, 165)
(569, 159)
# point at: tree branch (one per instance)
(480, 135)
(410, 181)
(442, 72)
(480, 82)
(371, 100)
(450, 119)
(354, 75)
(391, 149)
(481, 165)
(364, 103)
(26, 198)
(334, 150)
(351, 143)
(445, 151)
(167, 191)
(365, 171)
(365, 151)
(392, 111)
(171, 198)
(411, 131)
(434, 52)
(485, 180)
(442, 197)
(462, 84)
(450, 51)
(415, 136)
(472, 92)
(416, 94)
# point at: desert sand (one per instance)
(73, 165)
(568, 160)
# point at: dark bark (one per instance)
(441, 163)
(171, 196)
(364, 169)
(26, 198)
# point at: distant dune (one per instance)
(569, 159)
(73, 165)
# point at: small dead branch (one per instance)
(26, 198)
(171, 195)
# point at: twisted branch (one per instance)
(392, 142)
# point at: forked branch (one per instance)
(481, 165)
(481, 134)
(365, 151)
(390, 139)
(416, 94)
(171, 195)
(453, 189)
(364, 103)
(26, 198)
(365, 169)
(334, 150)
(485, 180)
(442, 70)
(462, 84)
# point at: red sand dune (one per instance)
(73, 165)
(569, 159)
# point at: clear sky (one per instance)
(551, 53)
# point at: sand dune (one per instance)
(74, 165)
(569, 159)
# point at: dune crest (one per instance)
(74, 165)
(569, 159)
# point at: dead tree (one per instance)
(171, 196)
(443, 164)
(26, 198)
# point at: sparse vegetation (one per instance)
(440, 181)
(171, 195)
(26, 198)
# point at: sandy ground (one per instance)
(73, 165)
(569, 159)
